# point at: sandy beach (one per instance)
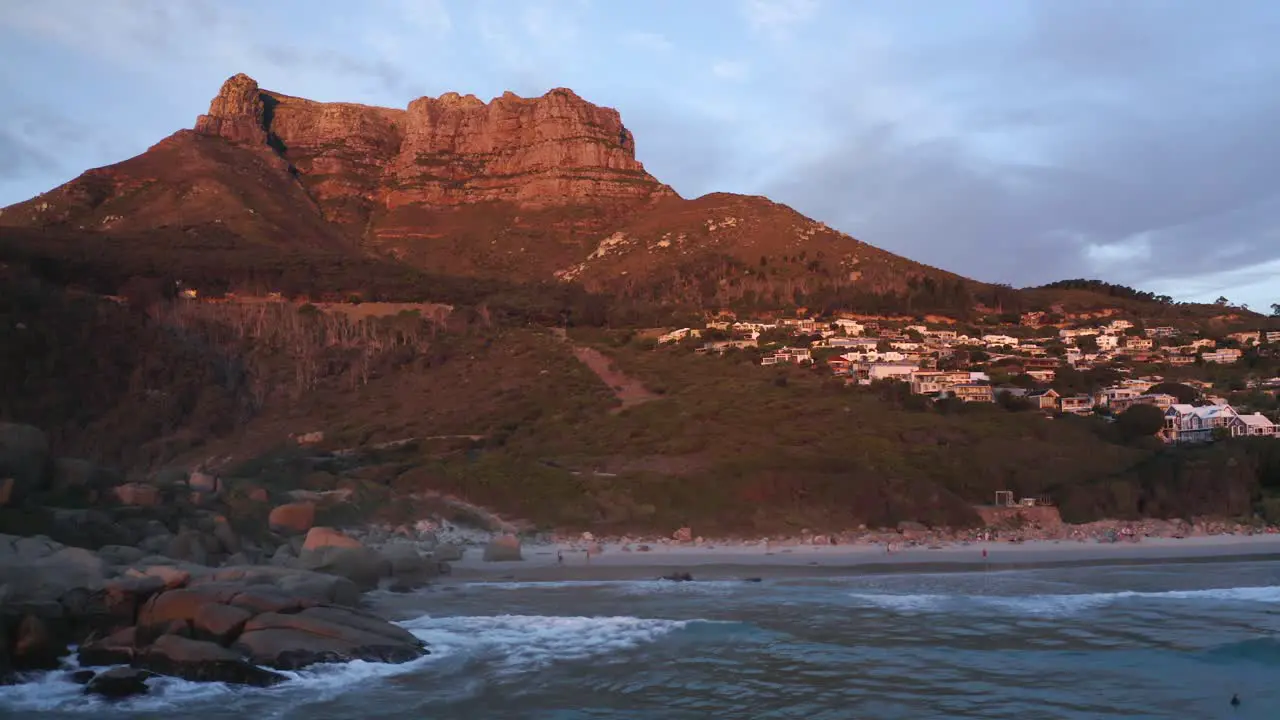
(709, 561)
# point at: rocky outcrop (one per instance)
(297, 517)
(505, 548)
(118, 683)
(237, 113)
(193, 622)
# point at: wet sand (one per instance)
(743, 561)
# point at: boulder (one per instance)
(199, 660)
(325, 634)
(684, 534)
(189, 546)
(120, 555)
(137, 494)
(81, 677)
(115, 649)
(284, 557)
(118, 683)
(303, 587)
(24, 457)
(503, 549)
(296, 517)
(360, 565)
(36, 646)
(447, 552)
(219, 623)
(203, 482)
(173, 576)
(409, 568)
(323, 537)
(228, 540)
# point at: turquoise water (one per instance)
(1150, 641)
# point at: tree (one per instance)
(1185, 394)
(1087, 343)
(1140, 421)
(1221, 301)
(1275, 309)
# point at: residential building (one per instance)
(1180, 360)
(1108, 342)
(941, 334)
(971, 392)
(1246, 338)
(797, 356)
(1111, 394)
(1186, 423)
(904, 345)
(1255, 425)
(1031, 318)
(1040, 363)
(721, 346)
(1160, 400)
(1272, 336)
(1077, 404)
(1224, 356)
(678, 335)
(1000, 340)
(850, 327)
(1044, 399)
(1163, 331)
(1118, 326)
(1044, 376)
(860, 343)
(929, 382)
(1139, 343)
(889, 370)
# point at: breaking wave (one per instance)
(1056, 604)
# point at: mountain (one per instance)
(522, 189)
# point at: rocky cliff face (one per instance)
(377, 171)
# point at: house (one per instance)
(797, 356)
(1077, 404)
(1160, 400)
(868, 372)
(904, 345)
(1255, 425)
(839, 365)
(1111, 394)
(1108, 342)
(1118, 326)
(678, 335)
(859, 343)
(1139, 343)
(1186, 423)
(1031, 318)
(971, 392)
(1272, 336)
(1000, 340)
(1163, 331)
(850, 327)
(1044, 399)
(722, 346)
(1224, 356)
(929, 382)
(1043, 376)
(1180, 360)
(1040, 363)
(941, 334)
(1246, 338)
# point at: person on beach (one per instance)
(559, 557)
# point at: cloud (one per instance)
(778, 17)
(729, 70)
(651, 41)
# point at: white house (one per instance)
(797, 356)
(1163, 331)
(1245, 338)
(850, 327)
(1139, 343)
(1225, 356)
(678, 335)
(1118, 326)
(1000, 340)
(928, 382)
(1255, 425)
(1185, 423)
(1108, 342)
(859, 343)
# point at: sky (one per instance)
(1016, 141)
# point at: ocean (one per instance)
(1133, 641)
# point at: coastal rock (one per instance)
(115, 649)
(325, 634)
(204, 482)
(447, 552)
(505, 548)
(408, 566)
(137, 494)
(297, 517)
(36, 647)
(118, 683)
(204, 661)
(24, 457)
(325, 537)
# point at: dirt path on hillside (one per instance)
(629, 391)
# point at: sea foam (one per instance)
(1055, 604)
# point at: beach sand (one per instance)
(710, 561)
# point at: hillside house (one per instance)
(850, 327)
(1160, 400)
(941, 334)
(1246, 338)
(872, 371)
(1139, 343)
(1042, 376)
(678, 335)
(1186, 423)
(971, 392)
(1076, 404)
(1044, 399)
(1180, 360)
(1108, 342)
(1224, 356)
(1271, 336)
(904, 345)
(932, 382)
(1164, 331)
(1255, 425)
(1106, 397)
(1032, 318)
(856, 343)
(1009, 340)
(796, 356)
(1118, 326)
(722, 346)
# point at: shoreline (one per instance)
(753, 561)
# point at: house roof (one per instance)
(1257, 420)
